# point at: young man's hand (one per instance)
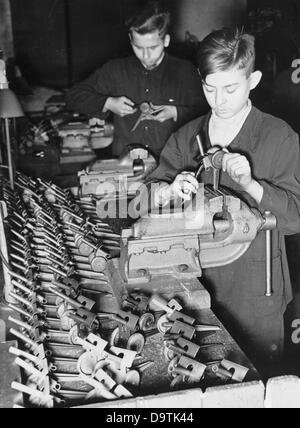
(121, 106)
(184, 185)
(167, 113)
(238, 168)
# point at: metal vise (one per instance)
(75, 143)
(122, 176)
(215, 229)
(80, 139)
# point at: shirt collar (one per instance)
(247, 138)
(238, 118)
(227, 130)
(160, 66)
(157, 65)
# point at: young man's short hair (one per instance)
(153, 17)
(226, 49)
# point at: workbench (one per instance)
(156, 380)
(195, 302)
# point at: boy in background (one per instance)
(150, 75)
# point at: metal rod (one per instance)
(269, 289)
(19, 353)
(22, 300)
(21, 311)
(1, 155)
(4, 257)
(31, 392)
(21, 324)
(21, 287)
(9, 157)
(22, 278)
(58, 271)
(200, 145)
(16, 257)
(24, 338)
(30, 368)
(72, 302)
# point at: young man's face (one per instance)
(227, 92)
(149, 48)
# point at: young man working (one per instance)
(262, 167)
(151, 76)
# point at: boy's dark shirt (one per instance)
(174, 82)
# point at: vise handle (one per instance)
(269, 224)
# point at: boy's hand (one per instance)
(167, 113)
(121, 106)
(238, 168)
(184, 185)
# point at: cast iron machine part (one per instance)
(216, 228)
(40, 329)
(122, 176)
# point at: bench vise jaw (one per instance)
(215, 229)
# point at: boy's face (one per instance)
(149, 48)
(227, 92)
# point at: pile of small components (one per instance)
(80, 341)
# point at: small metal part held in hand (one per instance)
(148, 112)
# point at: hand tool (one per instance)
(148, 112)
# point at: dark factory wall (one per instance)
(61, 41)
(39, 39)
(97, 32)
(6, 37)
(58, 42)
(276, 26)
(200, 17)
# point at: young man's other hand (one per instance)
(167, 113)
(238, 168)
(121, 106)
(184, 185)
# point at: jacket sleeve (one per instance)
(194, 102)
(170, 165)
(282, 193)
(89, 96)
(170, 162)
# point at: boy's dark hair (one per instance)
(226, 49)
(149, 19)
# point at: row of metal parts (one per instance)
(186, 367)
(53, 308)
(64, 354)
(43, 259)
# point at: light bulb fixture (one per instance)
(9, 108)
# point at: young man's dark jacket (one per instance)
(174, 82)
(272, 148)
